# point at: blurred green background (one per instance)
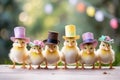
(41, 16)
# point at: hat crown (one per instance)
(53, 35)
(19, 32)
(87, 36)
(70, 31)
(52, 38)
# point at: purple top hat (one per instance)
(88, 37)
(19, 33)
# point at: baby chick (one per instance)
(35, 55)
(88, 55)
(70, 52)
(106, 54)
(51, 54)
(18, 53)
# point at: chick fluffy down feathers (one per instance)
(18, 55)
(88, 58)
(106, 56)
(35, 58)
(70, 55)
(51, 57)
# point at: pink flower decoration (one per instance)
(37, 42)
(108, 38)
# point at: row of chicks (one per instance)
(70, 53)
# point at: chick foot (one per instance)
(111, 65)
(93, 66)
(83, 67)
(24, 67)
(13, 67)
(39, 67)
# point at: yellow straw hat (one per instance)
(70, 32)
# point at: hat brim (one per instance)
(107, 42)
(48, 43)
(94, 42)
(76, 37)
(27, 40)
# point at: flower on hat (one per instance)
(36, 43)
(106, 39)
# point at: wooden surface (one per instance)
(60, 74)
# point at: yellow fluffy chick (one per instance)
(106, 54)
(35, 56)
(70, 52)
(18, 53)
(88, 55)
(51, 54)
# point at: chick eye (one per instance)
(16, 41)
(48, 46)
(103, 45)
(23, 42)
(85, 48)
(67, 41)
(73, 41)
(91, 48)
(54, 46)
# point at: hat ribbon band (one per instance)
(52, 40)
(88, 40)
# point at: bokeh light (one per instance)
(48, 8)
(90, 11)
(80, 7)
(99, 16)
(114, 23)
(23, 16)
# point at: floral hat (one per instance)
(106, 39)
(36, 43)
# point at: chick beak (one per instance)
(20, 45)
(36, 51)
(88, 52)
(106, 48)
(70, 45)
(51, 50)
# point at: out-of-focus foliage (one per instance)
(41, 16)
(9, 11)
